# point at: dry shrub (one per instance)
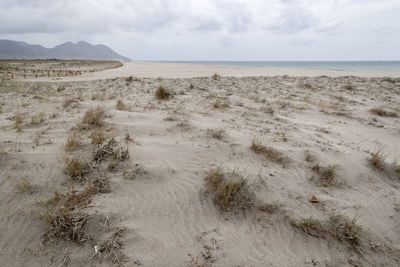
(216, 133)
(133, 173)
(220, 103)
(38, 118)
(348, 87)
(97, 136)
(76, 167)
(121, 105)
(112, 148)
(345, 230)
(216, 77)
(230, 191)
(326, 174)
(268, 109)
(69, 103)
(305, 85)
(94, 117)
(18, 120)
(24, 186)
(377, 160)
(113, 247)
(311, 226)
(382, 112)
(64, 224)
(75, 198)
(73, 142)
(338, 226)
(162, 93)
(269, 152)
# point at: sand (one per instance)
(158, 193)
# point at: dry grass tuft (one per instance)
(38, 118)
(311, 226)
(382, 112)
(75, 167)
(345, 230)
(230, 191)
(24, 186)
(94, 117)
(18, 120)
(339, 227)
(216, 77)
(216, 133)
(121, 105)
(326, 174)
(220, 103)
(377, 160)
(162, 93)
(348, 87)
(305, 85)
(73, 142)
(97, 136)
(270, 153)
(69, 103)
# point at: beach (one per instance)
(315, 154)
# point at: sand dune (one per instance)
(159, 193)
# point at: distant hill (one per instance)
(81, 50)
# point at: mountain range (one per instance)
(81, 50)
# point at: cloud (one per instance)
(206, 25)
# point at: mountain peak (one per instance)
(81, 50)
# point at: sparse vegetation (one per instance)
(220, 103)
(230, 191)
(270, 153)
(162, 93)
(121, 105)
(216, 133)
(216, 77)
(75, 167)
(382, 112)
(65, 224)
(38, 118)
(97, 136)
(94, 117)
(18, 120)
(113, 247)
(377, 160)
(110, 148)
(326, 174)
(73, 142)
(338, 226)
(69, 103)
(24, 186)
(348, 87)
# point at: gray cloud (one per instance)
(145, 28)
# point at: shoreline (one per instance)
(143, 69)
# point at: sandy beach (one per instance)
(172, 164)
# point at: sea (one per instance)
(373, 66)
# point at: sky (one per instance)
(213, 29)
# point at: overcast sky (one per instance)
(213, 29)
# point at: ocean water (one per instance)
(376, 66)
